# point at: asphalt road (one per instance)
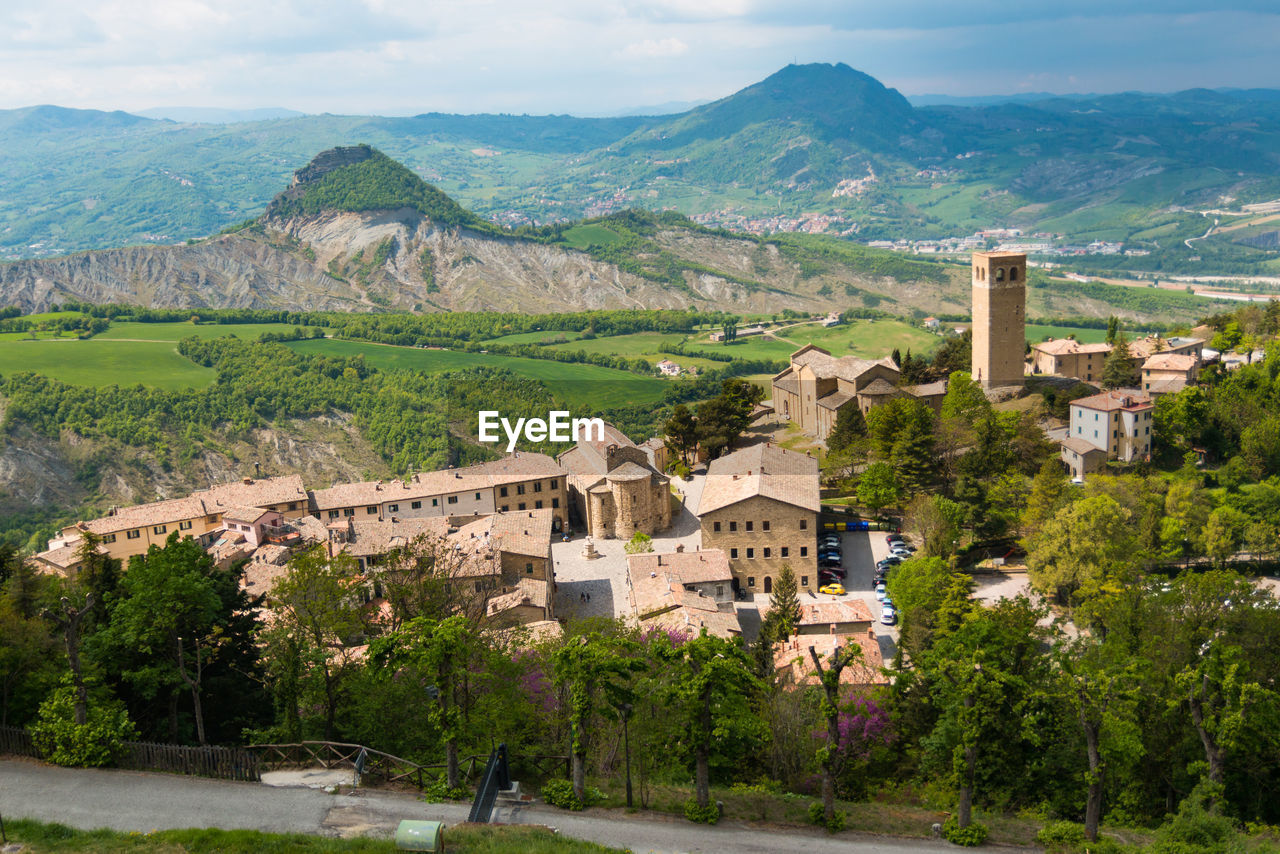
(137, 801)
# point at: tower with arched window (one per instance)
(999, 318)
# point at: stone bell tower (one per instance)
(999, 318)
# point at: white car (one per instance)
(889, 616)
(881, 592)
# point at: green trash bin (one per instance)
(420, 836)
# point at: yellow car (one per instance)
(833, 589)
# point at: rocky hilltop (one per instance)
(357, 231)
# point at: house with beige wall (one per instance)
(760, 506)
(1115, 423)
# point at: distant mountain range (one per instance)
(815, 147)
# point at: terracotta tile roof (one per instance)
(630, 471)
(522, 532)
(838, 612)
(933, 389)
(878, 387)
(692, 620)
(241, 513)
(366, 493)
(1069, 346)
(1080, 446)
(520, 466)
(531, 592)
(143, 515)
(1170, 386)
(1181, 362)
(1121, 398)
(700, 567)
(765, 470)
(515, 468)
(837, 399)
(262, 492)
(793, 663)
(789, 383)
(372, 537)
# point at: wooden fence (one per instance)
(224, 763)
(248, 763)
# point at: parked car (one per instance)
(894, 538)
(881, 592)
(902, 552)
(829, 562)
(828, 540)
(889, 615)
(832, 589)
(832, 556)
(831, 571)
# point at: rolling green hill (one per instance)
(809, 141)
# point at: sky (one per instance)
(603, 57)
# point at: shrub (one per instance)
(440, 791)
(817, 815)
(98, 742)
(973, 835)
(1196, 828)
(710, 814)
(1061, 835)
(559, 793)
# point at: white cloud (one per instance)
(651, 49)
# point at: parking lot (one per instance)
(860, 550)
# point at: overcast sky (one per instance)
(592, 57)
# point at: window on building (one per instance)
(502, 491)
(555, 503)
(784, 551)
(719, 589)
(452, 499)
(751, 553)
(764, 525)
(505, 507)
(394, 508)
(349, 511)
(749, 525)
(372, 511)
(416, 505)
(768, 552)
(333, 514)
(804, 551)
(477, 496)
(435, 502)
(528, 568)
(733, 526)
(159, 529)
(132, 535)
(804, 581)
(554, 484)
(108, 538)
(804, 523)
(537, 505)
(733, 553)
(521, 506)
(537, 486)
(184, 526)
(519, 489)
(751, 581)
(715, 526)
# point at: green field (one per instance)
(639, 345)
(178, 331)
(102, 363)
(867, 339)
(582, 236)
(589, 385)
(1037, 333)
(538, 337)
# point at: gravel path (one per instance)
(137, 801)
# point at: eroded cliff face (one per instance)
(341, 261)
(52, 477)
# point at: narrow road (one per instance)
(137, 801)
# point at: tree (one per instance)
(849, 430)
(1118, 371)
(711, 693)
(878, 487)
(722, 419)
(1102, 692)
(1224, 534)
(1113, 328)
(938, 520)
(784, 604)
(595, 670)
(316, 622)
(1082, 550)
(440, 651)
(167, 614)
(639, 543)
(68, 618)
(830, 754)
(901, 433)
(1047, 490)
(682, 433)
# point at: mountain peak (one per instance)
(362, 178)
